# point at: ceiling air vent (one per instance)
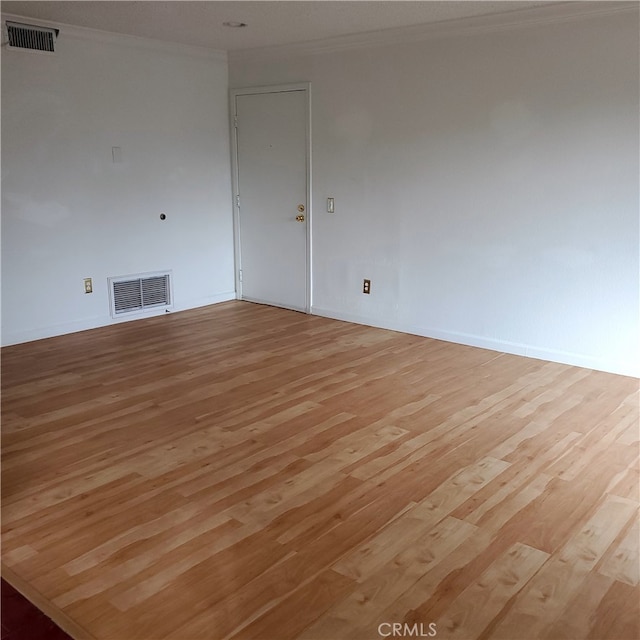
(28, 36)
(140, 293)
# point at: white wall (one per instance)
(486, 183)
(69, 212)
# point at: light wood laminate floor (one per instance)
(241, 471)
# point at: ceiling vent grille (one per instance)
(27, 36)
(130, 294)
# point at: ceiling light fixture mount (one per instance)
(234, 24)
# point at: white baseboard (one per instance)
(626, 368)
(38, 333)
(225, 296)
(50, 331)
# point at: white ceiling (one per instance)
(269, 22)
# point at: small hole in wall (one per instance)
(163, 216)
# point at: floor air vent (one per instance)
(131, 294)
(28, 36)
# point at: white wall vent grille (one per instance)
(130, 294)
(28, 36)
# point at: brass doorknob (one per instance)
(300, 218)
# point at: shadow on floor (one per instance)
(20, 620)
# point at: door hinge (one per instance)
(240, 275)
(235, 122)
(238, 201)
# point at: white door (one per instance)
(272, 207)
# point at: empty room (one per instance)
(320, 320)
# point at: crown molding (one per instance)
(122, 40)
(518, 19)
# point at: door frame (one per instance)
(279, 88)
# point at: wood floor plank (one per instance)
(579, 617)
(299, 610)
(474, 609)
(616, 615)
(354, 616)
(621, 561)
(244, 471)
(416, 605)
(546, 596)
